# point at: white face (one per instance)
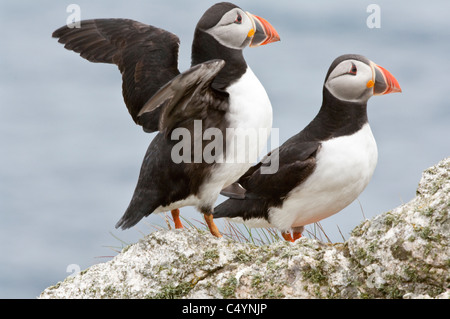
(235, 30)
(350, 81)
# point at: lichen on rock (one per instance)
(403, 253)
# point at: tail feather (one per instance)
(138, 209)
(229, 209)
(244, 208)
(128, 220)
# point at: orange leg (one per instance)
(212, 227)
(287, 236)
(176, 218)
(296, 235)
(297, 232)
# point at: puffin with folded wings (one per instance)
(323, 168)
(219, 92)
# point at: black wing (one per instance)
(147, 57)
(189, 96)
(260, 191)
(296, 161)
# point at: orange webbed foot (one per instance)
(176, 218)
(287, 236)
(211, 225)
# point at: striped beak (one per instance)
(384, 82)
(262, 33)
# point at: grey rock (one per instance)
(403, 253)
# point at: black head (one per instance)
(354, 78)
(234, 28)
(223, 32)
(214, 14)
(351, 80)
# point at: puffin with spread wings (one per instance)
(218, 91)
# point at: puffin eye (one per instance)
(353, 69)
(238, 19)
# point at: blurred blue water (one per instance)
(70, 153)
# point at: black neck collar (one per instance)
(205, 48)
(336, 118)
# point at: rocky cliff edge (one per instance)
(403, 253)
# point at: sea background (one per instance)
(70, 153)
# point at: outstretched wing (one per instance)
(189, 96)
(147, 57)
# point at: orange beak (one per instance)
(263, 32)
(385, 82)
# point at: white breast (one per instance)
(345, 166)
(250, 112)
(250, 106)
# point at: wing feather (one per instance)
(147, 57)
(296, 162)
(187, 97)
